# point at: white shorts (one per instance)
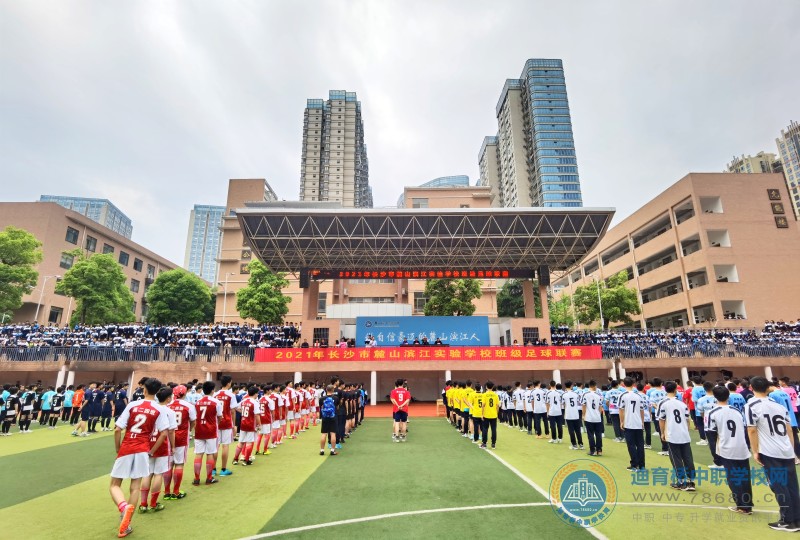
(304, 412)
(179, 457)
(314, 409)
(265, 429)
(131, 466)
(283, 422)
(247, 436)
(159, 465)
(276, 424)
(225, 436)
(290, 415)
(205, 446)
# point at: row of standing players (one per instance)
(152, 434)
(753, 418)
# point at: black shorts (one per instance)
(85, 413)
(400, 416)
(328, 425)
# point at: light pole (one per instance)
(599, 303)
(225, 297)
(41, 295)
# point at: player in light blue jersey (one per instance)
(655, 395)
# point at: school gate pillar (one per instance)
(448, 375)
(62, 374)
(373, 387)
(298, 376)
(768, 372)
(684, 376)
(557, 375)
(70, 378)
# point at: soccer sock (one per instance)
(177, 475)
(258, 442)
(53, 421)
(198, 464)
(143, 497)
(121, 506)
(248, 451)
(209, 466)
(167, 481)
(238, 452)
(154, 498)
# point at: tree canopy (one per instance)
(511, 302)
(451, 296)
(263, 299)
(20, 252)
(619, 301)
(97, 284)
(178, 297)
(561, 312)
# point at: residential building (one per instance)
(789, 150)
(334, 165)
(489, 167)
(443, 181)
(61, 230)
(714, 250)
(102, 211)
(203, 241)
(535, 147)
(763, 162)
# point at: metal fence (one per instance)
(247, 354)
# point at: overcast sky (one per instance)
(156, 104)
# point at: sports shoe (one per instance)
(559, 441)
(225, 472)
(663, 453)
(142, 508)
(682, 487)
(492, 447)
(213, 472)
(179, 495)
(247, 462)
(322, 452)
(647, 447)
(169, 497)
(266, 453)
(591, 454)
(792, 527)
(712, 466)
(195, 482)
(689, 487)
(126, 532)
(702, 443)
(157, 508)
(573, 447)
(738, 510)
(778, 525)
(334, 452)
(211, 481)
(125, 521)
(482, 446)
(338, 446)
(235, 461)
(552, 441)
(580, 446)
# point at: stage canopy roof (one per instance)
(289, 237)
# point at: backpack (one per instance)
(328, 407)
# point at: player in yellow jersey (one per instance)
(449, 396)
(476, 412)
(465, 405)
(491, 404)
(458, 395)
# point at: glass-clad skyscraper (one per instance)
(203, 241)
(531, 161)
(102, 211)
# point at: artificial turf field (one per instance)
(441, 484)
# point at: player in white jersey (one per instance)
(612, 397)
(673, 418)
(572, 414)
(655, 395)
(528, 396)
(771, 441)
(555, 413)
(728, 426)
(518, 395)
(631, 421)
(592, 402)
(540, 411)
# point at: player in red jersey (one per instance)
(159, 461)
(251, 422)
(266, 408)
(225, 436)
(280, 396)
(209, 412)
(291, 399)
(185, 416)
(400, 398)
(276, 416)
(140, 420)
(308, 398)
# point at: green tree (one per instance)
(511, 302)
(210, 308)
(619, 301)
(561, 312)
(20, 252)
(263, 299)
(178, 297)
(97, 284)
(451, 296)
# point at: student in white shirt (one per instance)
(540, 411)
(592, 402)
(528, 397)
(771, 441)
(554, 412)
(631, 421)
(572, 414)
(518, 397)
(728, 426)
(673, 418)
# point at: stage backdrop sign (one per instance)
(453, 331)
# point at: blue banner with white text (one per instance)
(396, 331)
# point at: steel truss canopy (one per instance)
(307, 236)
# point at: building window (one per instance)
(66, 261)
(138, 264)
(134, 308)
(91, 244)
(322, 303)
(55, 315)
(530, 335)
(321, 335)
(419, 203)
(72, 235)
(419, 301)
(108, 249)
(151, 271)
(124, 258)
(134, 285)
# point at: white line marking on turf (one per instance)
(591, 530)
(684, 505)
(389, 516)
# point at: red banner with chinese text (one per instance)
(380, 354)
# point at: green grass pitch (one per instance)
(442, 486)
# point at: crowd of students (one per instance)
(736, 419)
